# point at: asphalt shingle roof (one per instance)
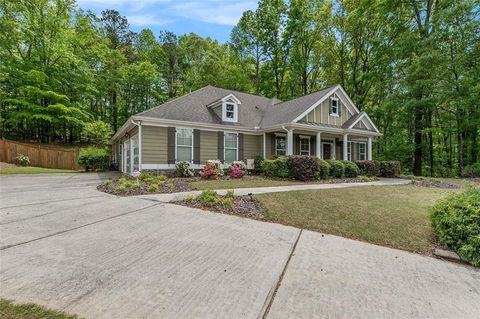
(253, 111)
(352, 119)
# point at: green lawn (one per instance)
(246, 182)
(395, 216)
(33, 170)
(10, 310)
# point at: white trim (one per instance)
(337, 113)
(369, 149)
(345, 147)
(224, 148)
(318, 145)
(332, 149)
(224, 111)
(264, 145)
(349, 153)
(280, 134)
(169, 166)
(371, 122)
(176, 143)
(359, 154)
(275, 141)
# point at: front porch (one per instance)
(324, 145)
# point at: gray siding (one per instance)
(321, 114)
(154, 145)
(252, 146)
(208, 146)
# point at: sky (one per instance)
(207, 18)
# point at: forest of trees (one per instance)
(414, 65)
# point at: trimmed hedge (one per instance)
(337, 169)
(303, 167)
(351, 169)
(324, 169)
(276, 168)
(94, 158)
(379, 168)
(456, 221)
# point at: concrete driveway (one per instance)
(67, 246)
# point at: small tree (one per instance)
(97, 133)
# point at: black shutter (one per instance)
(273, 146)
(330, 105)
(221, 142)
(339, 105)
(171, 131)
(240, 147)
(196, 146)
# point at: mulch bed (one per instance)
(244, 206)
(180, 184)
(431, 183)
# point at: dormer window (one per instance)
(334, 107)
(230, 111)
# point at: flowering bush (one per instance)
(23, 160)
(236, 170)
(241, 164)
(210, 171)
(183, 169)
(218, 166)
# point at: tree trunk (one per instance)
(418, 155)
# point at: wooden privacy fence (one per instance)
(40, 156)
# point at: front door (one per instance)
(327, 151)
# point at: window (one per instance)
(229, 112)
(349, 151)
(280, 145)
(334, 106)
(184, 143)
(231, 147)
(135, 153)
(304, 146)
(362, 151)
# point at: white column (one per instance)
(290, 142)
(140, 146)
(319, 145)
(264, 145)
(345, 147)
(369, 150)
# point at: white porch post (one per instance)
(345, 147)
(369, 151)
(319, 145)
(140, 146)
(290, 142)
(264, 145)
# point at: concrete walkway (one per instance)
(168, 198)
(67, 246)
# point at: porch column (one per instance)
(369, 150)
(264, 145)
(319, 145)
(290, 142)
(345, 147)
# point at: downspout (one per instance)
(139, 124)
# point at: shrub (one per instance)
(152, 188)
(472, 170)
(145, 177)
(230, 193)
(159, 179)
(324, 169)
(257, 163)
(337, 169)
(97, 133)
(183, 169)
(389, 168)
(23, 160)
(351, 169)
(456, 221)
(227, 202)
(241, 164)
(303, 167)
(94, 158)
(121, 187)
(277, 167)
(368, 168)
(210, 171)
(190, 197)
(208, 196)
(236, 170)
(218, 166)
(108, 182)
(171, 186)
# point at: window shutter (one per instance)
(339, 107)
(240, 147)
(273, 144)
(171, 145)
(196, 146)
(221, 141)
(330, 105)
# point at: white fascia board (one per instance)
(231, 97)
(357, 120)
(339, 87)
(301, 116)
(121, 130)
(371, 123)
